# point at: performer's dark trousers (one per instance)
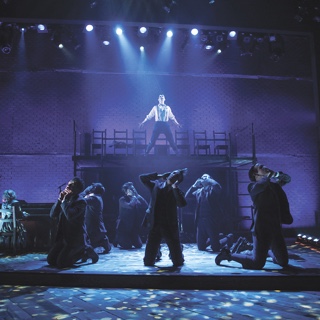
(161, 127)
(170, 233)
(272, 245)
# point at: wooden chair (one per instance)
(8, 227)
(220, 143)
(182, 141)
(201, 143)
(139, 141)
(98, 142)
(120, 142)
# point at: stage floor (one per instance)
(124, 268)
(119, 286)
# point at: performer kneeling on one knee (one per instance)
(165, 198)
(209, 219)
(271, 209)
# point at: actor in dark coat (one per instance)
(163, 218)
(71, 241)
(271, 210)
(208, 214)
(95, 226)
(132, 208)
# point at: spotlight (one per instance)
(221, 42)
(232, 35)
(246, 43)
(89, 27)
(41, 28)
(209, 45)
(142, 32)
(316, 242)
(304, 239)
(169, 34)
(276, 47)
(194, 31)
(119, 31)
(142, 48)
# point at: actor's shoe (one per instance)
(148, 264)
(223, 255)
(90, 254)
(178, 264)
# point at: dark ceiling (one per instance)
(291, 15)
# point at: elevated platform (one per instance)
(118, 161)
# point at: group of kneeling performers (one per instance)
(81, 233)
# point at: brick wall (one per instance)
(39, 110)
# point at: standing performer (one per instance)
(271, 209)
(132, 209)
(71, 241)
(163, 217)
(162, 114)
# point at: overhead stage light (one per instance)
(194, 31)
(143, 32)
(276, 47)
(232, 35)
(246, 43)
(119, 31)
(41, 28)
(89, 27)
(169, 33)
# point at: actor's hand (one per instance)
(175, 185)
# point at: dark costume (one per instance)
(161, 127)
(163, 218)
(208, 215)
(271, 209)
(94, 222)
(71, 241)
(131, 213)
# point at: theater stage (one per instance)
(124, 268)
(120, 287)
